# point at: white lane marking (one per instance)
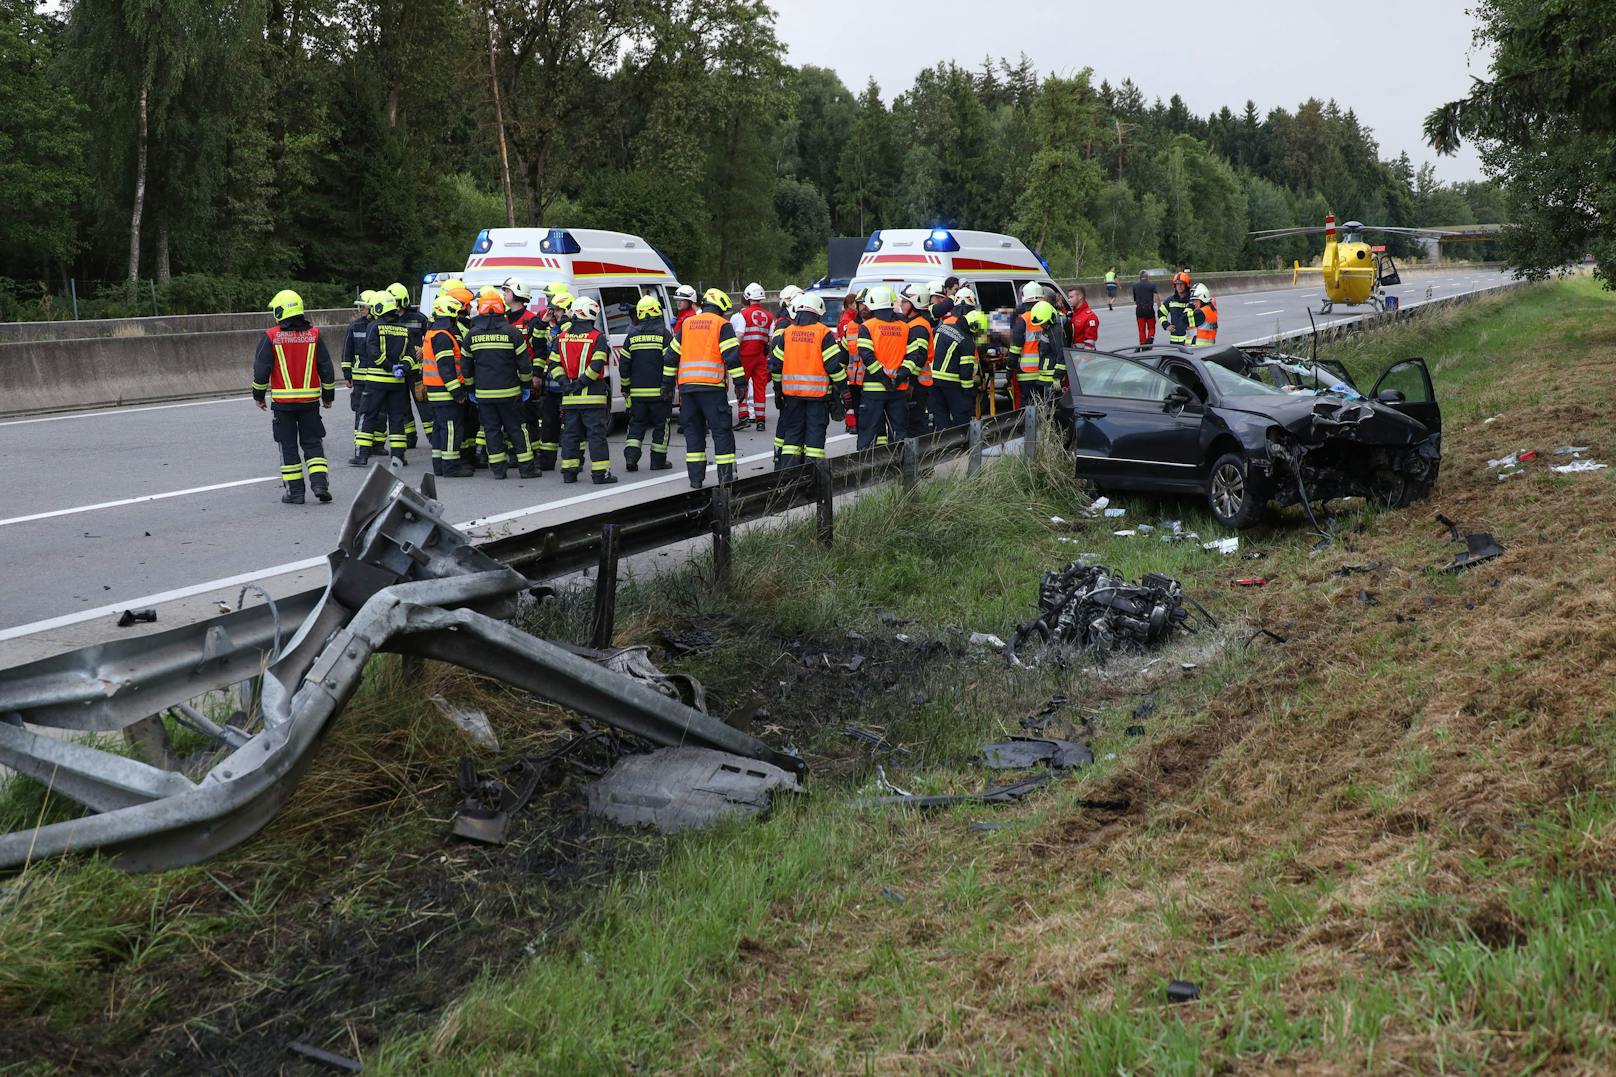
(137, 500)
(1260, 313)
(135, 411)
(296, 566)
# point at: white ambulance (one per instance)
(614, 268)
(996, 266)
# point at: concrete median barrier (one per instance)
(166, 325)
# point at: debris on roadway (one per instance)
(675, 789)
(1095, 610)
(1022, 753)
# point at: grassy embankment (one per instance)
(1385, 841)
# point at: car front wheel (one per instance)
(1235, 494)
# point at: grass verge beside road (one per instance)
(1386, 841)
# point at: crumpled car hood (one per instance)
(1313, 418)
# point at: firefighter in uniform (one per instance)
(847, 331)
(1204, 316)
(412, 317)
(386, 366)
(1176, 314)
(1026, 341)
(703, 352)
(916, 309)
(468, 427)
(685, 302)
(558, 315)
(753, 326)
(353, 346)
(501, 375)
(447, 382)
(806, 363)
(953, 393)
(293, 368)
(1049, 362)
(891, 351)
(645, 353)
(583, 354)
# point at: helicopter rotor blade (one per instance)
(1283, 233)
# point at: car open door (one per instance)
(1132, 424)
(1405, 386)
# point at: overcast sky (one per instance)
(1392, 63)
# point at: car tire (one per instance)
(1236, 495)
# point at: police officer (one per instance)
(293, 368)
(809, 373)
(386, 366)
(645, 353)
(891, 350)
(447, 381)
(582, 354)
(704, 350)
(501, 380)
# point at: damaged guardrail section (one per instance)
(402, 581)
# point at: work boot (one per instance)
(569, 475)
(479, 461)
(695, 484)
(497, 470)
(659, 462)
(726, 473)
(603, 478)
(458, 471)
(322, 492)
(359, 459)
(293, 496)
(742, 423)
(528, 471)
(631, 460)
(761, 425)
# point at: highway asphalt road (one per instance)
(142, 505)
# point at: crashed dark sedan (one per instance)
(1250, 430)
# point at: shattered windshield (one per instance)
(1228, 383)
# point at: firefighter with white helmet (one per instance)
(1203, 315)
(891, 351)
(583, 354)
(703, 352)
(807, 364)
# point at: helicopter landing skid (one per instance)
(1327, 307)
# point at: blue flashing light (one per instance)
(484, 243)
(559, 241)
(941, 240)
(874, 243)
(1041, 261)
(427, 278)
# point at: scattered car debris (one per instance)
(888, 618)
(1571, 450)
(1092, 608)
(1126, 533)
(135, 617)
(854, 664)
(1145, 708)
(690, 641)
(1188, 667)
(874, 740)
(1351, 570)
(324, 1057)
(1520, 456)
(686, 788)
(1577, 466)
(485, 815)
(1368, 599)
(1250, 581)
(999, 794)
(1116, 514)
(1021, 753)
(1479, 546)
(1225, 546)
(987, 639)
(470, 721)
(1183, 991)
(1276, 637)
(1134, 731)
(892, 897)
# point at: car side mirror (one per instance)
(1391, 396)
(1179, 399)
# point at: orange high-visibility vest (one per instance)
(1031, 364)
(848, 334)
(700, 361)
(1206, 329)
(430, 374)
(295, 377)
(931, 347)
(802, 370)
(891, 342)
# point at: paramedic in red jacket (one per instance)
(753, 325)
(1083, 327)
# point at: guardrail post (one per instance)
(911, 463)
(722, 551)
(1029, 431)
(973, 460)
(605, 590)
(823, 491)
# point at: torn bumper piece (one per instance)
(402, 581)
(676, 789)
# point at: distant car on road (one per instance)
(1214, 421)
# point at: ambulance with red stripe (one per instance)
(614, 268)
(995, 266)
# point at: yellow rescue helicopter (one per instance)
(1354, 272)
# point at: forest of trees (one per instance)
(197, 152)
